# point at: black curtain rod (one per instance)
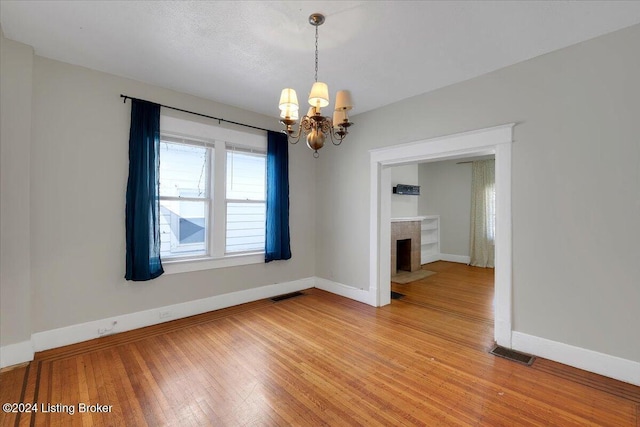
(196, 114)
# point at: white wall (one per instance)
(79, 166)
(16, 62)
(403, 205)
(446, 191)
(575, 186)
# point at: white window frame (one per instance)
(179, 125)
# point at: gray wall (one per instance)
(75, 190)
(16, 61)
(575, 183)
(445, 190)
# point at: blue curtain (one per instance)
(143, 205)
(277, 224)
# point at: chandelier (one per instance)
(314, 125)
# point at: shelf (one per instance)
(430, 239)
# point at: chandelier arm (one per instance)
(306, 124)
(326, 124)
(293, 139)
(336, 137)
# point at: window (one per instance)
(490, 197)
(212, 191)
(483, 213)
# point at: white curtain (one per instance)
(483, 213)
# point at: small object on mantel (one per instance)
(407, 190)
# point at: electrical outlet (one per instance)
(165, 314)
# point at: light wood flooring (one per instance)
(320, 359)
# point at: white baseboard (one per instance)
(344, 290)
(14, 354)
(462, 259)
(589, 360)
(90, 330)
(426, 259)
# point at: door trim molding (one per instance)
(494, 140)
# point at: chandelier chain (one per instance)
(316, 53)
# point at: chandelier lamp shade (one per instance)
(313, 124)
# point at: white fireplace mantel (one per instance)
(408, 218)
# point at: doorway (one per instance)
(497, 141)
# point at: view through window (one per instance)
(212, 197)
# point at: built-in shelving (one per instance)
(430, 239)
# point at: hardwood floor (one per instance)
(319, 359)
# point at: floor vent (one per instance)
(515, 356)
(396, 295)
(286, 296)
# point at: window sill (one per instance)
(175, 266)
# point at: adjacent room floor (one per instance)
(319, 359)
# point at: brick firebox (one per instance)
(405, 237)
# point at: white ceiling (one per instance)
(243, 53)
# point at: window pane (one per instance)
(183, 170)
(183, 228)
(245, 175)
(490, 203)
(245, 226)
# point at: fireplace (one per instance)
(403, 255)
(405, 244)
